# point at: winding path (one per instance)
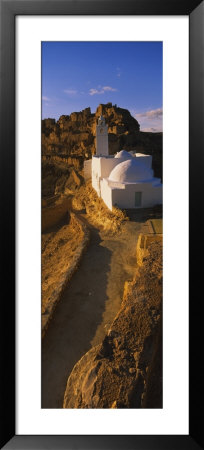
(87, 308)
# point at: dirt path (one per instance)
(87, 308)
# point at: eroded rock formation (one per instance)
(125, 371)
(74, 135)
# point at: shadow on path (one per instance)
(88, 305)
(75, 321)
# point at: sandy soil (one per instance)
(78, 323)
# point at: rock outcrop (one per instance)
(60, 176)
(73, 135)
(125, 370)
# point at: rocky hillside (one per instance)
(125, 370)
(73, 136)
(60, 178)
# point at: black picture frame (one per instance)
(9, 10)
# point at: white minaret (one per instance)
(101, 137)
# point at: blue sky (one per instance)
(76, 75)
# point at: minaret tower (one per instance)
(101, 137)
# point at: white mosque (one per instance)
(125, 180)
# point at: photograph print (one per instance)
(102, 225)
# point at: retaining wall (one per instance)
(143, 242)
(57, 293)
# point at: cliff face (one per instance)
(125, 371)
(74, 135)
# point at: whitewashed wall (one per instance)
(106, 193)
(107, 165)
(123, 195)
(101, 168)
(125, 198)
(96, 174)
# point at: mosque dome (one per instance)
(123, 154)
(131, 171)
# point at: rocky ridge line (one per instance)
(73, 136)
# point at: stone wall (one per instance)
(143, 243)
(79, 228)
